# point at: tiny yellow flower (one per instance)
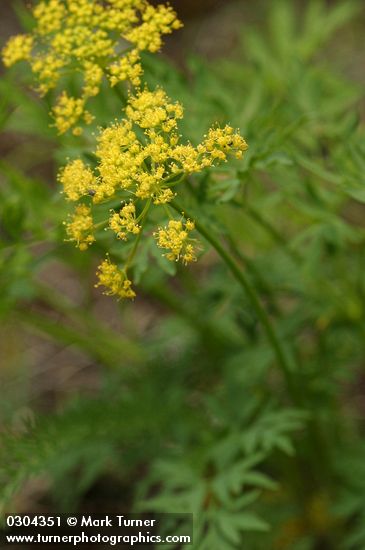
(124, 222)
(127, 68)
(152, 110)
(77, 180)
(93, 75)
(156, 22)
(220, 142)
(175, 238)
(114, 280)
(80, 227)
(67, 112)
(18, 48)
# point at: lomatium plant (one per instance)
(99, 40)
(227, 362)
(141, 159)
(141, 162)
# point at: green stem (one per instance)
(138, 239)
(249, 264)
(101, 224)
(28, 244)
(120, 93)
(261, 313)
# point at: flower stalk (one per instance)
(274, 340)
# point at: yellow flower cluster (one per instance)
(18, 48)
(93, 37)
(114, 280)
(156, 21)
(77, 180)
(140, 159)
(124, 222)
(139, 162)
(147, 167)
(80, 228)
(175, 238)
(151, 110)
(219, 143)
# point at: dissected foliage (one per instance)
(196, 401)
